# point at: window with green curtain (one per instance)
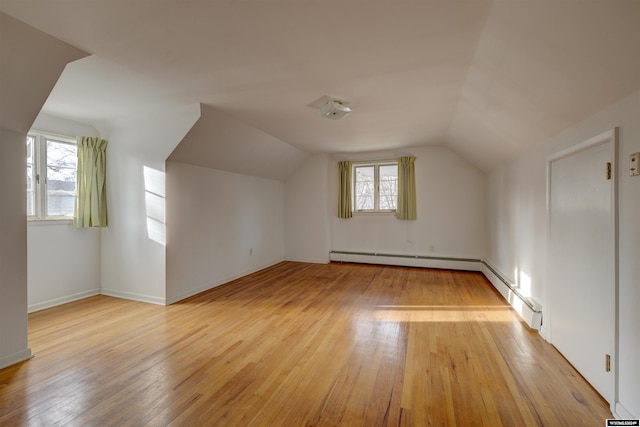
(406, 209)
(91, 195)
(344, 192)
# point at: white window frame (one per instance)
(376, 165)
(40, 139)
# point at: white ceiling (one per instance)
(487, 78)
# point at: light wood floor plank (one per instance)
(299, 344)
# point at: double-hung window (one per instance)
(375, 186)
(51, 176)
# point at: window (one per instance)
(51, 176)
(375, 186)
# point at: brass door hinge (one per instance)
(608, 170)
(607, 362)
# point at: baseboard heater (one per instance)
(528, 309)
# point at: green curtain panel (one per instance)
(344, 193)
(91, 194)
(406, 189)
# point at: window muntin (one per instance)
(51, 176)
(375, 187)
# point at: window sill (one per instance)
(364, 213)
(49, 221)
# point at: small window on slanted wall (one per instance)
(375, 186)
(51, 176)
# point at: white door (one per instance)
(582, 264)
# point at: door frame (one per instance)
(603, 138)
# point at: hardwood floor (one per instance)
(294, 345)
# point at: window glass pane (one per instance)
(61, 178)
(364, 188)
(388, 187)
(31, 178)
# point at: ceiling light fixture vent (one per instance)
(334, 109)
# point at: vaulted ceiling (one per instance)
(488, 79)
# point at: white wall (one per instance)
(53, 124)
(13, 250)
(132, 246)
(517, 219)
(451, 212)
(516, 194)
(307, 214)
(221, 226)
(24, 51)
(63, 262)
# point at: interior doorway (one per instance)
(582, 258)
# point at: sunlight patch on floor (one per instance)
(446, 313)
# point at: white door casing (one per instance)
(582, 281)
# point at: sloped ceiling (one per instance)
(486, 78)
(21, 99)
(213, 142)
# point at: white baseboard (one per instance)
(17, 357)
(133, 296)
(173, 299)
(528, 309)
(621, 413)
(309, 261)
(62, 300)
(444, 263)
(144, 298)
(192, 292)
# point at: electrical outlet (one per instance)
(634, 159)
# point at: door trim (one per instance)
(603, 138)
